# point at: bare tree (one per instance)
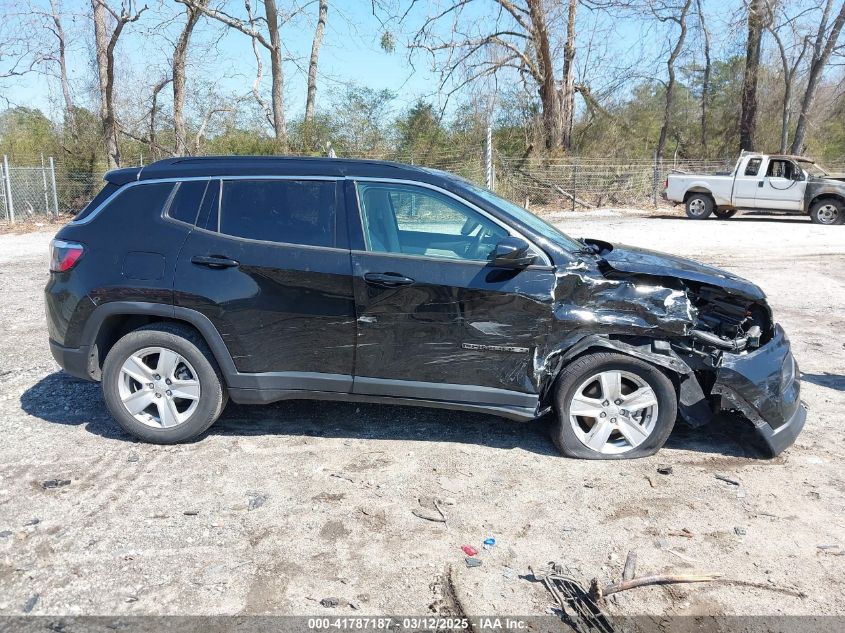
(180, 59)
(517, 38)
(748, 116)
(790, 63)
(271, 41)
(705, 79)
(54, 25)
(678, 15)
(311, 98)
(567, 89)
(105, 41)
(823, 46)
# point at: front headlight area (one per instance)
(788, 372)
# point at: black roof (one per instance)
(185, 167)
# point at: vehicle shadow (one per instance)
(826, 379)
(61, 399)
(741, 217)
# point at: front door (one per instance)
(435, 319)
(266, 266)
(782, 187)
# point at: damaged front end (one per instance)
(712, 331)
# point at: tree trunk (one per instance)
(670, 84)
(821, 55)
(277, 74)
(180, 58)
(705, 80)
(567, 92)
(311, 99)
(748, 117)
(59, 32)
(105, 72)
(549, 97)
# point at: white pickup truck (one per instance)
(762, 182)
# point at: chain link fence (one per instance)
(49, 189)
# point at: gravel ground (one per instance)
(284, 505)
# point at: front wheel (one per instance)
(612, 406)
(827, 211)
(724, 214)
(162, 384)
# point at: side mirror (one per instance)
(798, 174)
(512, 252)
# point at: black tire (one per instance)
(828, 211)
(571, 378)
(724, 214)
(187, 343)
(699, 206)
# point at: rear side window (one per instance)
(186, 201)
(287, 211)
(753, 166)
(137, 200)
(101, 197)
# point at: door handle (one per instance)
(760, 183)
(214, 261)
(387, 280)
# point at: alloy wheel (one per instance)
(697, 207)
(613, 412)
(159, 387)
(828, 214)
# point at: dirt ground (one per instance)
(281, 506)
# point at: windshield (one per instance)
(813, 169)
(526, 217)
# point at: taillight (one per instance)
(64, 255)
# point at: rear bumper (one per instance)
(763, 385)
(74, 360)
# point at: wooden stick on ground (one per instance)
(597, 593)
(630, 566)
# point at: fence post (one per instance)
(488, 158)
(44, 183)
(10, 203)
(655, 179)
(53, 181)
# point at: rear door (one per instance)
(779, 188)
(268, 264)
(746, 182)
(435, 319)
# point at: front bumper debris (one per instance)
(763, 386)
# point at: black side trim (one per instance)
(444, 391)
(265, 396)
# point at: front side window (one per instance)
(286, 211)
(412, 220)
(780, 169)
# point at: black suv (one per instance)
(194, 280)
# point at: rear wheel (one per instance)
(612, 406)
(724, 214)
(827, 211)
(162, 384)
(699, 206)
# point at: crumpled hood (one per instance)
(631, 259)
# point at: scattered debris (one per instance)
(344, 477)
(55, 483)
(472, 562)
(191, 513)
(489, 542)
(630, 569)
(29, 605)
(740, 531)
(329, 603)
(665, 469)
(354, 606)
(133, 457)
(256, 500)
(683, 557)
(5, 533)
(508, 573)
(649, 480)
(570, 595)
(834, 549)
(469, 550)
(685, 532)
(429, 514)
(32, 521)
(726, 479)
(597, 592)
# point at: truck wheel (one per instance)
(827, 211)
(724, 214)
(162, 384)
(612, 406)
(699, 206)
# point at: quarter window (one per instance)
(287, 211)
(753, 166)
(186, 201)
(418, 221)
